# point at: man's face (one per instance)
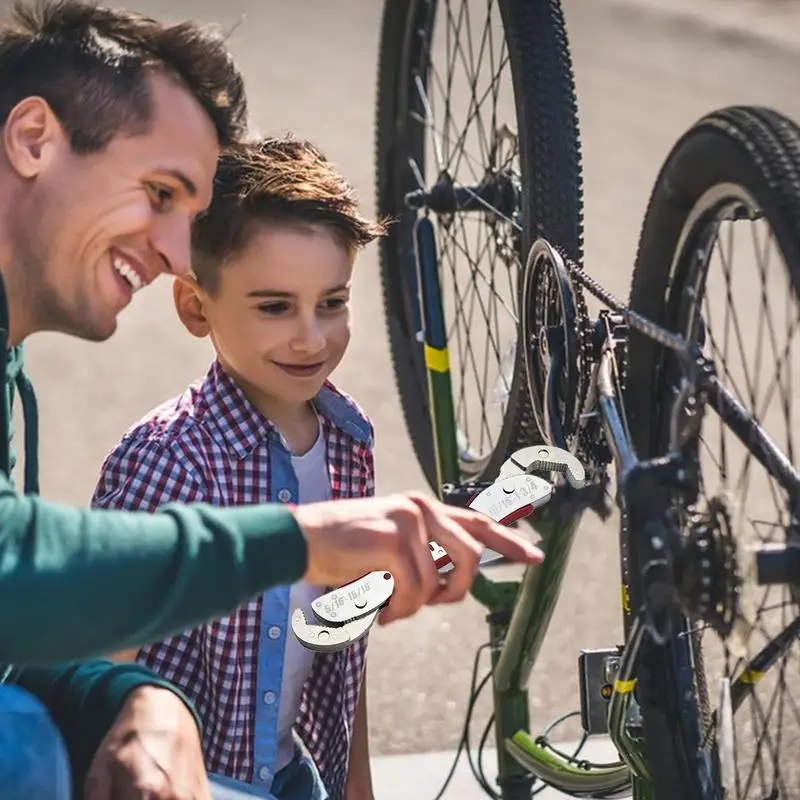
(89, 231)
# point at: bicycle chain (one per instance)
(592, 447)
(635, 321)
(710, 536)
(590, 444)
(583, 337)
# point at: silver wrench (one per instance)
(508, 499)
(328, 638)
(347, 613)
(545, 458)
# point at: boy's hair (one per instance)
(91, 65)
(273, 180)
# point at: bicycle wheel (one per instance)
(729, 191)
(495, 158)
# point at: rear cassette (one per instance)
(708, 576)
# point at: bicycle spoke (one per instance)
(471, 160)
(757, 367)
(458, 90)
(429, 120)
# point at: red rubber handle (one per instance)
(442, 559)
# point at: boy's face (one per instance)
(280, 318)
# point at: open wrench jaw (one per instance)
(545, 458)
(329, 639)
(346, 613)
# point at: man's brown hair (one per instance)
(280, 180)
(91, 63)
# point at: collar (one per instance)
(227, 412)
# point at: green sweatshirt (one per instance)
(77, 584)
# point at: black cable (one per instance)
(541, 740)
(573, 759)
(553, 725)
(540, 789)
(473, 696)
(477, 772)
(481, 780)
(481, 745)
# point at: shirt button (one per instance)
(274, 632)
(269, 698)
(284, 495)
(263, 773)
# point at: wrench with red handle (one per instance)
(349, 612)
(516, 493)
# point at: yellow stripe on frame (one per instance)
(624, 687)
(750, 676)
(437, 360)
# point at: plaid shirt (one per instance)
(212, 445)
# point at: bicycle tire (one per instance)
(550, 162)
(758, 150)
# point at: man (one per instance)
(111, 129)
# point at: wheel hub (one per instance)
(495, 195)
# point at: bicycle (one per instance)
(630, 388)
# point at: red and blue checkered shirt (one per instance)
(211, 444)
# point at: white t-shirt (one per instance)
(313, 481)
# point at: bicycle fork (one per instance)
(433, 333)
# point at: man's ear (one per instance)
(32, 136)
(190, 300)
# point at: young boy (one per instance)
(273, 261)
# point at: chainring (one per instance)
(556, 329)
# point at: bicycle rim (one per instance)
(459, 95)
(733, 284)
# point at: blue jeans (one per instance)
(33, 756)
(298, 780)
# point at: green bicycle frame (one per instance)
(519, 611)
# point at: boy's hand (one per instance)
(349, 538)
(151, 752)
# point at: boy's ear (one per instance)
(189, 298)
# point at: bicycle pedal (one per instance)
(597, 671)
